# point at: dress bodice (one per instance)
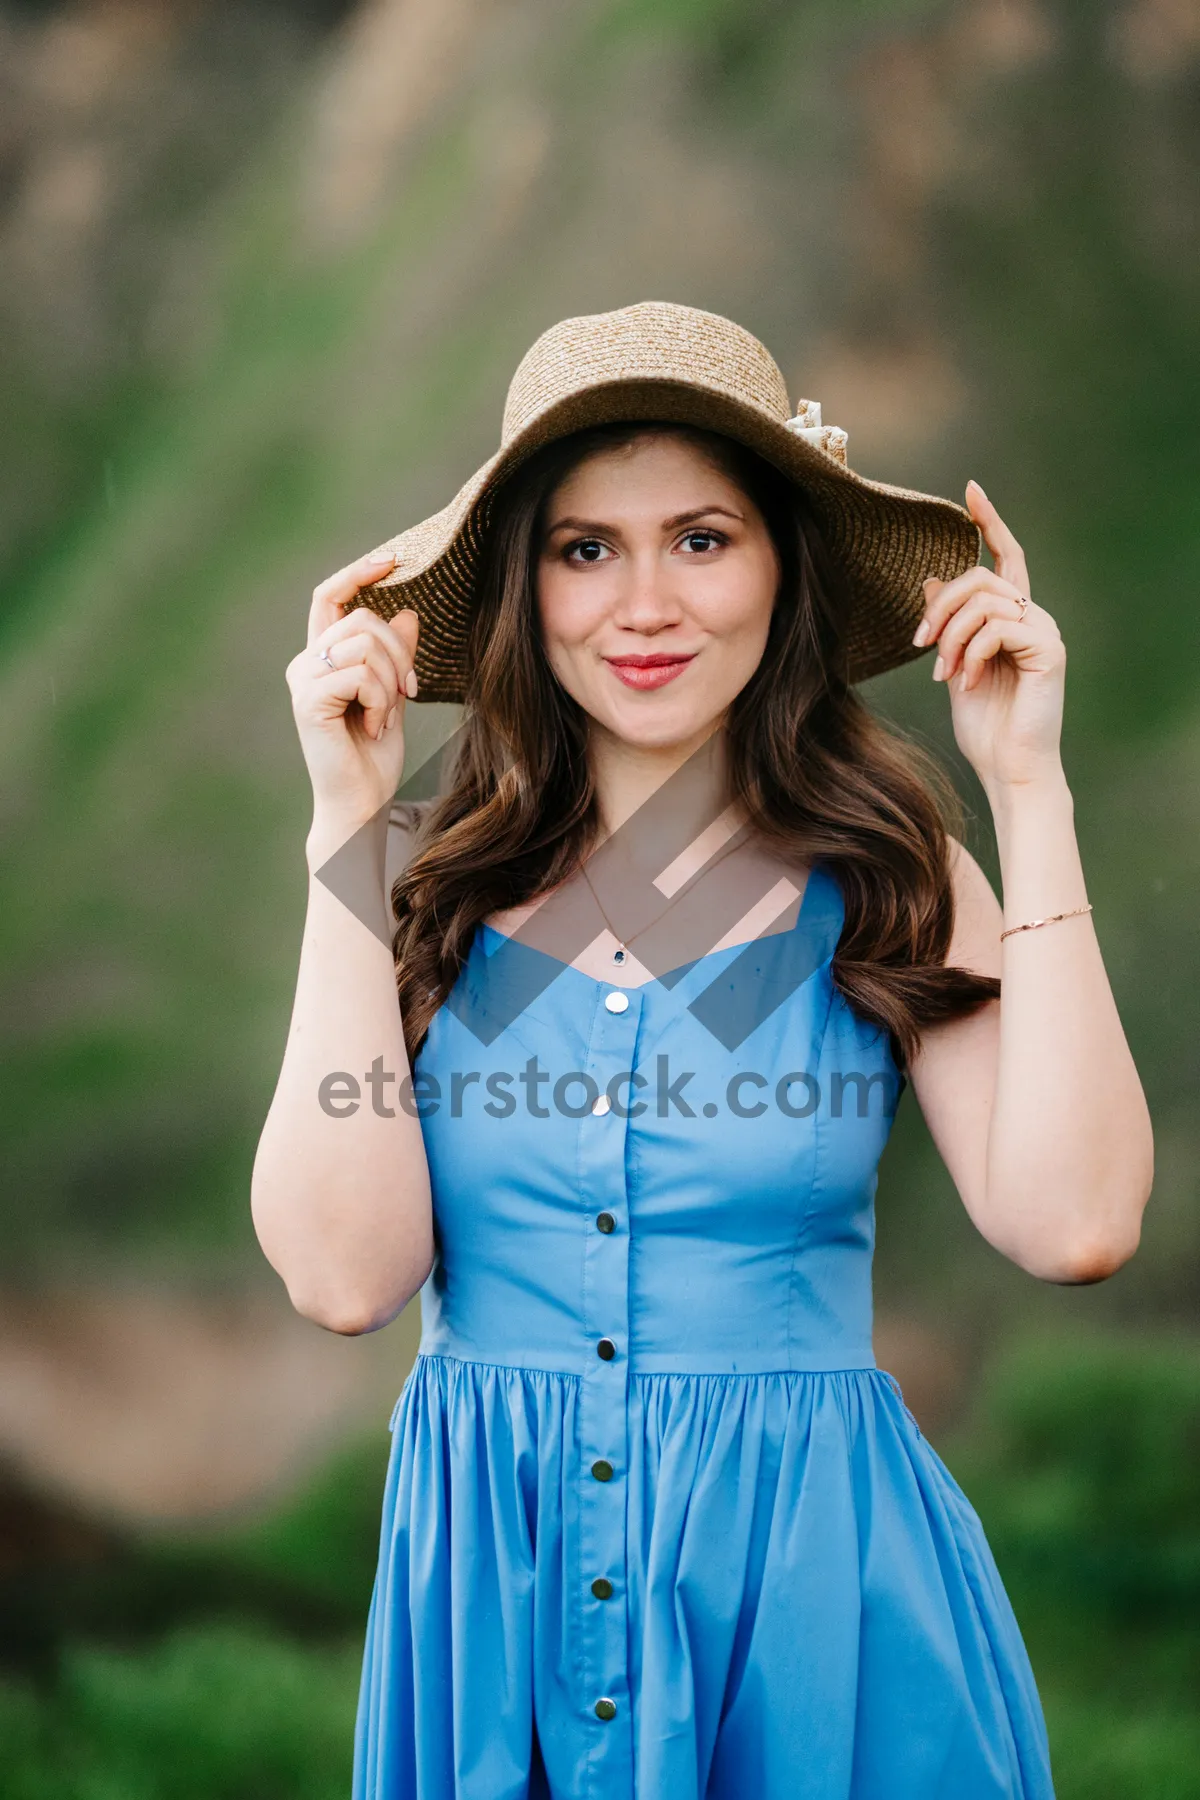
(685, 1169)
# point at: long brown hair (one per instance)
(818, 774)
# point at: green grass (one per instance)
(214, 1711)
(1081, 1460)
(1151, 1752)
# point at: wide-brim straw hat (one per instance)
(657, 360)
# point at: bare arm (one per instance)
(1034, 1101)
(340, 1192)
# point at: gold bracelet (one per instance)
(1052, 920)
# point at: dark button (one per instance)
(606, 1348)
(606, 1708)
(602, 1587)
(605, 1222)
(602, 1469)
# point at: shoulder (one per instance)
(978, 915)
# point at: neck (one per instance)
(690, 778)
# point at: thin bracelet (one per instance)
(1052, 920)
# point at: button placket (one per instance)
(603, 1698)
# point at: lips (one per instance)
(648, 671)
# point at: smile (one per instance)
(647, 671)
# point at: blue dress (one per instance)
(655, 1525)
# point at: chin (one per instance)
(652, 724)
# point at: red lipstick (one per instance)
(649, 671)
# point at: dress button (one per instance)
(602, 1469)
(603, 1105)
(617, 1001)
(605, 1222)
(606, 1348)
(606, 1708)
(602, 1588)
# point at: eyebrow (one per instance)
(684, 518)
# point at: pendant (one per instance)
(619, 955)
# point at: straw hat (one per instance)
(661, 361)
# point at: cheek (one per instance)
(741, 599)
(565, 613)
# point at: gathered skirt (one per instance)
(811, 1608)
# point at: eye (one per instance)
(698, 543)
(586, 550)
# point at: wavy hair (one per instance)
(818, 774)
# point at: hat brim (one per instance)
(888, 539)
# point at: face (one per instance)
(656, 581)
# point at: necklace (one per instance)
(622, 950)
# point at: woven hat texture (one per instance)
(657, 360)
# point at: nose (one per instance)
(647, 600)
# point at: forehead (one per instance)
(652, 470)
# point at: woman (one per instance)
(683, 924)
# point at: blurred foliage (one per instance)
(303, 1568)
(213, 1712)
(1092, 1454)
(200, 1665)
(321, 1545)
(1082, 1459)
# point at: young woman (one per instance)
(682, 925)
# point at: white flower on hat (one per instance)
(807, 424)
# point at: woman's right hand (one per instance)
(351, 718)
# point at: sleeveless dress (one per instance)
(655, 1525)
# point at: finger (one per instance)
(406, 627)
(987, 642)
(378, 699)
(331, 595)
(943, 599)
(362, 637)
(1008, 554)
(335, 691)
(397, 637)
(1041, 649)
(360, 650)
(362, 627)
(967, 621)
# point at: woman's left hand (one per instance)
(1005, 673)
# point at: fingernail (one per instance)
(939, 668)
(382, 556)
(390, 720)
(973, 483)
(921, 634)
(410, 684)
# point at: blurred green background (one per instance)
(265, 269)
